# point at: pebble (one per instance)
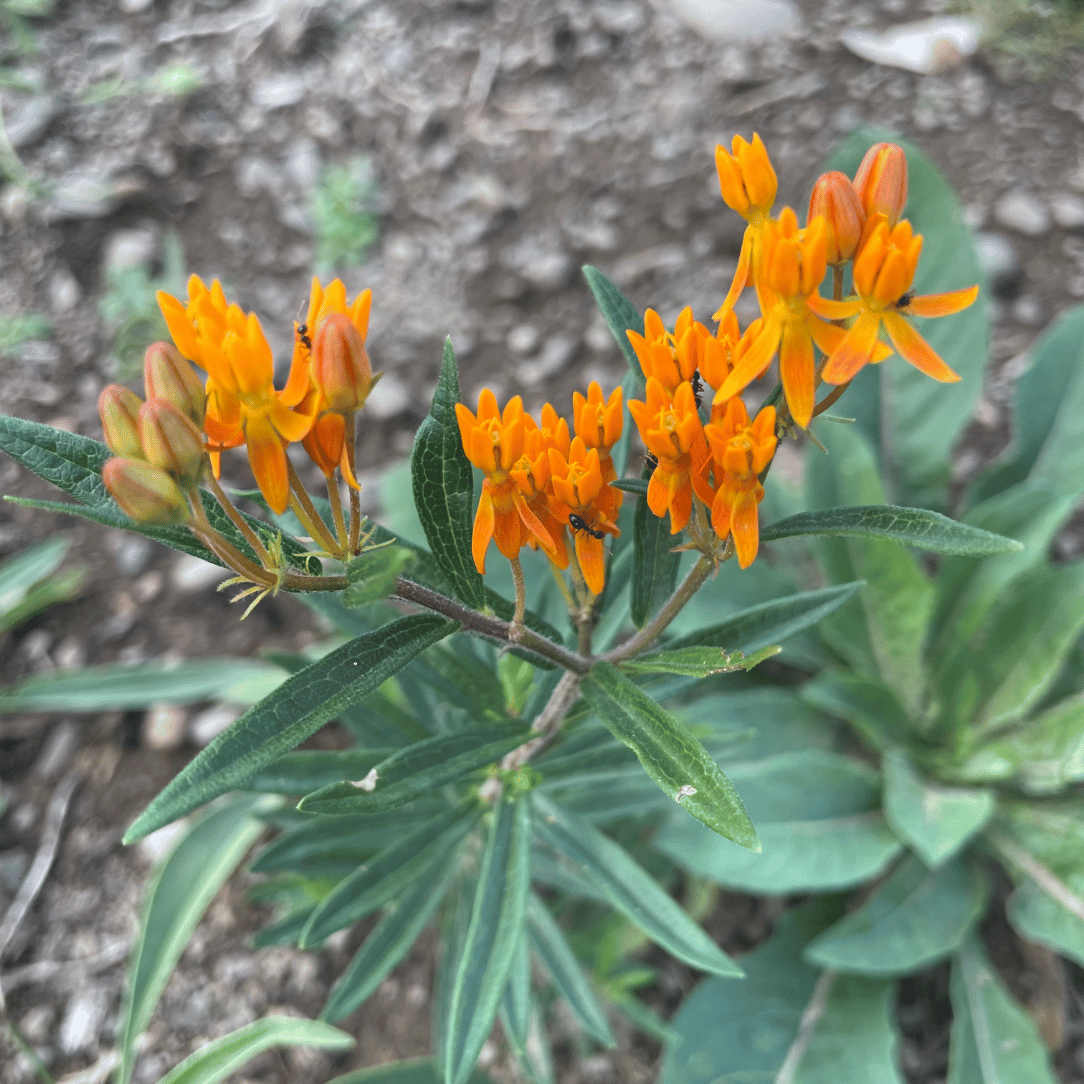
(389, 398)
(279, 91)
(130, 248)
(523, 339)
(735, 20)
(133, 7)
(28, 121)
(303, 163)
(59, 746)
(37, 1024)
(82, 195)
(70, 654)
(539, 263)
(192, 574)
(928, 46)
(1027, 310)
(1068, 210)
(148, 587)
(255, 174)
(64, 291)
(554, 356)
(206, 725)
(999, 262)
(1021, 211)
(164, 726)
(131, 552)
(83, 1019)
(13, 866)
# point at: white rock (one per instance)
(927, 46)
(523, 339)
(389, 398)
(83, 1019)
(278, 91)
(164, 726)
(29, 120)
(191, 574)
(81, 194)
(557, 352)
(1027, 310)
(997, 259)
(130, 248)
(1021, 211)
(1068, 210)
(209, 723)
(131, 7)
(64, 291)
(735, 20)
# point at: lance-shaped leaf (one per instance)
(770, 622)
(629, 888)
(637, 486)
(218, 1059)
(819, 822)
(389, 941)
(418, 769)
(916, 527)
(372, 576)
(388, 874)
(669, 752)
(913, 918)
(443, 485)
(654, 563)
(935, 820)
(298, 708)
(516, 1004)
(568, 977)
(304, 772)
(184, 885)
(496, 927)
(414, 1071)
(698, 661)
(993, 1039)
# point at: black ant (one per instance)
(698, 388)
(578, 523)
(905, 300)
(303, 335)
(651, 461)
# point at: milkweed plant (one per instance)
(519, 759)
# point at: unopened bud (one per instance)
(881, 182)
(835, 200)
(145, 493)
(167, 375)
(119, 410)
(171, 442)
(747, 180)
(340, 364)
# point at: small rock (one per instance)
(83, 1019)
(24, 817)
(37, 1024)
(71, 653)
(999, 263)
(389, 398)
(130, 248)
(555, 355)
(1021, 211)
(523, 339)
(163, 726)
(64, 291)
(82, 195)
(1068, 210)
(28, 120)
(148, 587)
(57, 751)
(191, 574)
(927, 47)
(206, 725)
(255, 175)
(303, 163)
(13, 866)
(619, 18)
(133, 7)
(539, 263)
(279, 91)
(1027, 310)
(35, 648)
(131, 552)
(737, 20)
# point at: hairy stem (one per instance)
(355, 495)
(250, 536)
(302, 507)
(521, 593)
(337, 511)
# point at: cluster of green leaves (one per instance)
(345, 223)
(16, 330)
(176, 80)
(33, 580)
(15, 16)
(964, 684)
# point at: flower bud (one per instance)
(145, 493)
(171, 442)
(340, 364)
(881, 182)
(119, 410)
(747, 180)
(835, 200)
(167, 375)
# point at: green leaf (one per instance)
(415, 1071)
(125, 686)
(638, 486)
(372, 576)
(913, 918)
(916, 527)
(390, 941)
(655, 564)
(418, 769)
(916, 420)
(568, 977)
(873, 710)
(825, 1029)
(301, 773)
(1037, 916)
(18, 574)
(298, 708)
(218, 1059)
(697, 661)
(618, 311)
(183, 886)
(819, 824)
(516, 1005)
(770, 622)
(443, 485)
(629, 888)
(993, 1040)
(496, 926)
(669, 753)
(389, 874)
(936, 821)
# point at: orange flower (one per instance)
(671, 429)
(740, 451)
(791, 271)
(494, 444)
(881, 181)
(724, 351)
(532, 474)
(669, 358)
(242, 403)
(748, 184)
(835, 199)
(883, 272)
(598, 423)
(579, 491)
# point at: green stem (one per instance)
(521, 593)
(337, 511)
(302, 507)
(238, 521)
(355, 495)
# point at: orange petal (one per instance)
(591, 556)
(942, 304)
(744, 528)
(534, 525)
(291, 425)
(267, 456)
(750, 366)
(826, 336)
(854, 351)
(828, 309)
(741, 276)
(796, 371)
(916, 350)
(483, 528)
(508, 533)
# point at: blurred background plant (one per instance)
(16, 330)
(345, 223)
(32, 580)
(1030, 37)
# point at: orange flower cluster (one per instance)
(542, 483)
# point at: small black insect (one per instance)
(698, 388)
(652, 461)
(905, 300)
(578, 523)
(303, 335)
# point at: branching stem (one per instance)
(250, 536)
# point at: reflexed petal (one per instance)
(533, 524)
(721, 511)
(658, 492)
(855, 350)
(591, 556)
(483, 528)
(359, 312)
(797, 372)
(289, 424)
(508, 533)
(741, 275)
(828, 309)
(681, 507)
(267, 457)
(826, 336)
(481, 450)
(942, 304)
(297, 384)
(916, 350)
(180, 326)
(744, 529)
(750, 366)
